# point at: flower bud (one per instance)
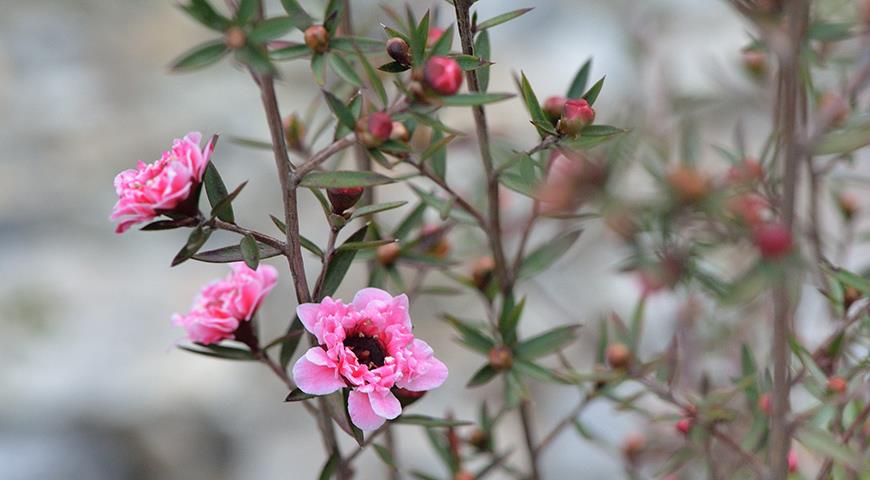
(576, 114)
(463, 475)
(343, 199)
(433, 240)
(622, 222)
(400, 132)
(687, 184)
(755, 62)
(407, 397)
(837, 384)
(434, 35)
(479, 439)
(751, 209)
(374, 129)
(773, 240)
(481, 272)
(850, 296)
(388, 254)
(764, 404)
(834, 106)
(684, 425)
(317, 38)
(235, 38)
(632, 447)
(399, 51)
(501, 358)
(792, 461)
(747, 171)
(294, 132)
(443, 75)
(553, 107)
(618, 356)
(848, 205)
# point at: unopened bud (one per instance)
(623, 223)
(576, 114)
(633, 446)
(684, 425)
(618, 356)
(317, 38)
(792, 461)
(399, 51)
(434, 35)
(463, 475)
(837, 384)
(374, 129)
(294, 132)
(388, 254)
(850, 296)
(443, 75)
(764, 404)
(400, 132)
(835, 107)
(747, 171)
(750, 208)
(501, 358)
(755, 62)
(553, 107)
(688, 185)
(407, 397)
(235, 38)
(848, 205)
(343, 199)
(773, 240)
(481, 272)
(479, 439)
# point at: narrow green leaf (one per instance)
(592, 94)
(532, 369)
(393, 67)
(384, 455)
(483, 50)
(216, 191)
(225, 204)
(246, 10)
(298, 395)
(330, 466)
(444, 43)
(471, 335)
(318, 68)
(343, 69)
(198, 237)
(250, 251)
(299, 15)
(340, 264)
(852, 280)
(200, 56)
(823, 443)
(544, 256)
(374, 79)
(507, 324)
(291, 52)
(342, 113)
(410, 222)
(469, 62)
(472, 99)
(271, 28)
(426, 421)
(204, 13)
(532, 105)
(364, 245)
(376, 208)
(242, 355)
(350, 44)
(548, 342)
(255, 58)
(844, 140)
(233, 253)
(578, 85)
(419, 38)
(504, 17)
(482, 376)
(343, 179)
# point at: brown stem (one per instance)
(529, 436)
(260, 237)
(566, 422)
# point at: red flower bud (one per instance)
(633, 446)
(479, 439)
(317, 38)
(850, 296)
(837, 384)
(848, 205)
(618, 356)
(294, 132)
(755, 62)
(684, 425)
(388, 254)
(773, 240)
(235, 38)
(792, 461)
(463, 475)
(443, 75)
(752, 209)
(374, 129)
(688, 184)
(481, 272)
(747, 171)
(553, 107)
(576, 114)
(434, 35)
(399, 51)
(501, 358)
(764, 404)
(343, 198)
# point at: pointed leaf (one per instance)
(548, 342)
(592, 94)
(200, 56)
(250, 251)
(216, 191)
(343, 179)
(544, 256)
(472, 99)
(233, 253)
(343, 69)
(578, 85)
(499, 19)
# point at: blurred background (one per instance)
(91, 386)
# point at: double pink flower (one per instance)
(368, 346)
(151, 189)
(223, 304)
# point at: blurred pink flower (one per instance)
(223, 303)
(367, 346)
(149, 189)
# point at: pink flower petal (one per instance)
(428, 373)
(307, 313)
(313, 376)
(361, 413)
(368, 295)
(385, 404)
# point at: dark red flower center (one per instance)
(368, 350)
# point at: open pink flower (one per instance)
(147, 190)
(223, 303)
(366, 346)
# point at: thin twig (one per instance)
(260, 237)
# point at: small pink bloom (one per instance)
(434, 35)
(368, 346)
(576, 114)
(792, 461)
(443, 74)
(553, 107)
(223, 303)
(149, 189)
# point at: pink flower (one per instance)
(368, 346)
(223, 303)
(151, 189)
